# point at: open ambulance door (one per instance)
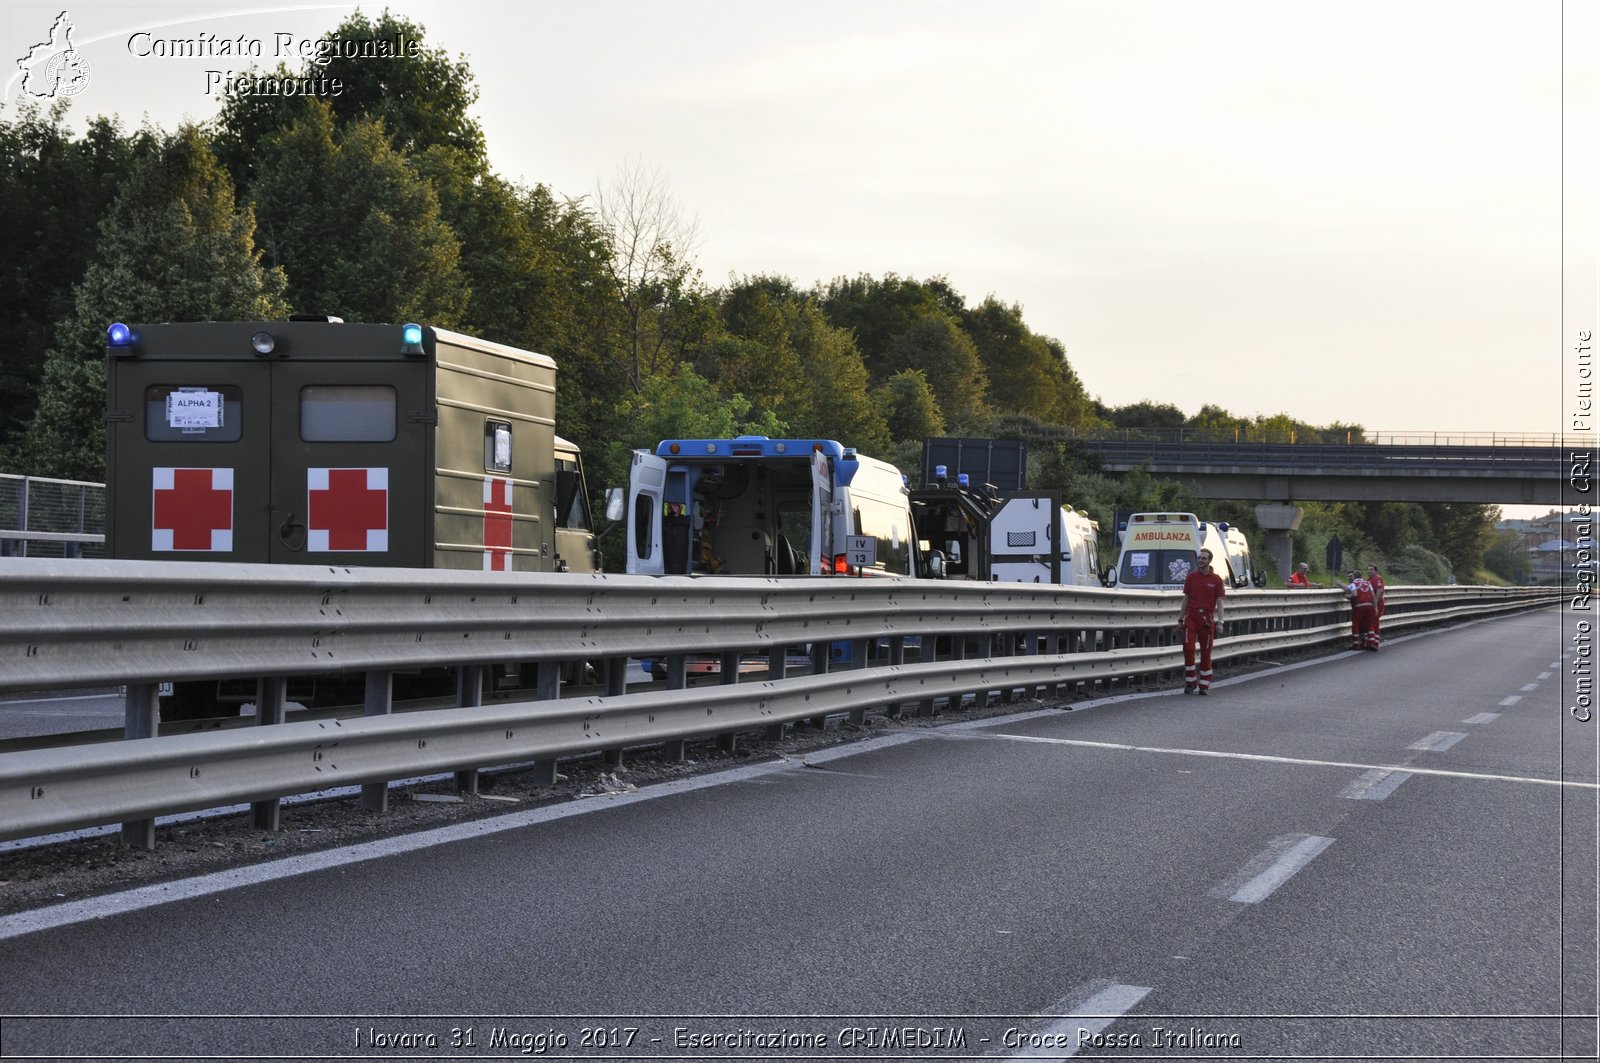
(822, 513)
(1023, 545)
(647, 481)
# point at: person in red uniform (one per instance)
(1375, 578)
(1363, 613)
(1202, 612)
(1301, 576)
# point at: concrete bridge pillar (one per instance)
(1278, 519)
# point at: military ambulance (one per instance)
(320, 442)
(313, 441)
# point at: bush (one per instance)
(1416, 565)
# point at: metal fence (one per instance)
(911, 643)
(41, 517)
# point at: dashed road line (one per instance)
(1529, 686)
(1437, 742)
(1482, 717)
(1082, 1014)
(1509, 701)
(1271, 759)
(1375, 785)
(1271, 868)
(1542, 675)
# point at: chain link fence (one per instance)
(40, 517)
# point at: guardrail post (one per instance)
(729, 742)
(820, 654)
(614, 674)
(676, 750)
(896, 658)
(139, 721)
(547, 687)
(378, 701)
(469, 695)
(271, 699)
(859, 648)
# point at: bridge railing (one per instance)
(42, 517)
(913, 644)
(1330, 437)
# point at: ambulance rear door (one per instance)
(351, 462)
(187, 459)
(647, 482)
(822, 513)
(1022, 541)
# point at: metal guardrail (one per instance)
(43, 517)
(74, 623)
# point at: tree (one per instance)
(53, 191)
(1027, 373)
(357, 232)
(422, 96)
(651, 267)
(1507, 557)
(935, 344)
(877, 311)
(839, 404)
(909, 407)
(172, 247)
(1144, 414)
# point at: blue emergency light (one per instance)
(964, 480)
(119, 335)
(410, 339)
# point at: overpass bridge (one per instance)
(1474, 467)
(1509, 470)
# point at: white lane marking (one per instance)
(1266, 758)
(1082, 1015)
(1529, 686)
(1512, 700)
(1482, 717)
(1272, 867)
(221, 881)
(1437, 742)
(1375, 785)
(1542, 675)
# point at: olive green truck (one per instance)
(321, 442)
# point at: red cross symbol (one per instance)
(192, 509)
(496, 524)
(348, 509)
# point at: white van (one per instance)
(1025, 549)
(754, 506)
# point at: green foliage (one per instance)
(1027, 373)
(876, 311)
(935, 344)
(1462, 532)
(1417, 565)
(357, 232)
(1507, 557)
(53, 192)
(909, 407)
(679, 405)
(423, 99)
(172, 247)
(1143, 415)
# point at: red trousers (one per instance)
(1363, 626)
(1198, 632)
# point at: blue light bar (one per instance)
(119, 335)
(411, 339)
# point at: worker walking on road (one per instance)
(1363, 613)
(1202, 613)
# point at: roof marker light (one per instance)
(119, 335)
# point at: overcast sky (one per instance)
(1343, 211)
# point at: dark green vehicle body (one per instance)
(340, 446)
(319, 442)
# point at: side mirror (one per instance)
(1108, 577)
(616, 503)
(1259, 579)
(936, 565)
